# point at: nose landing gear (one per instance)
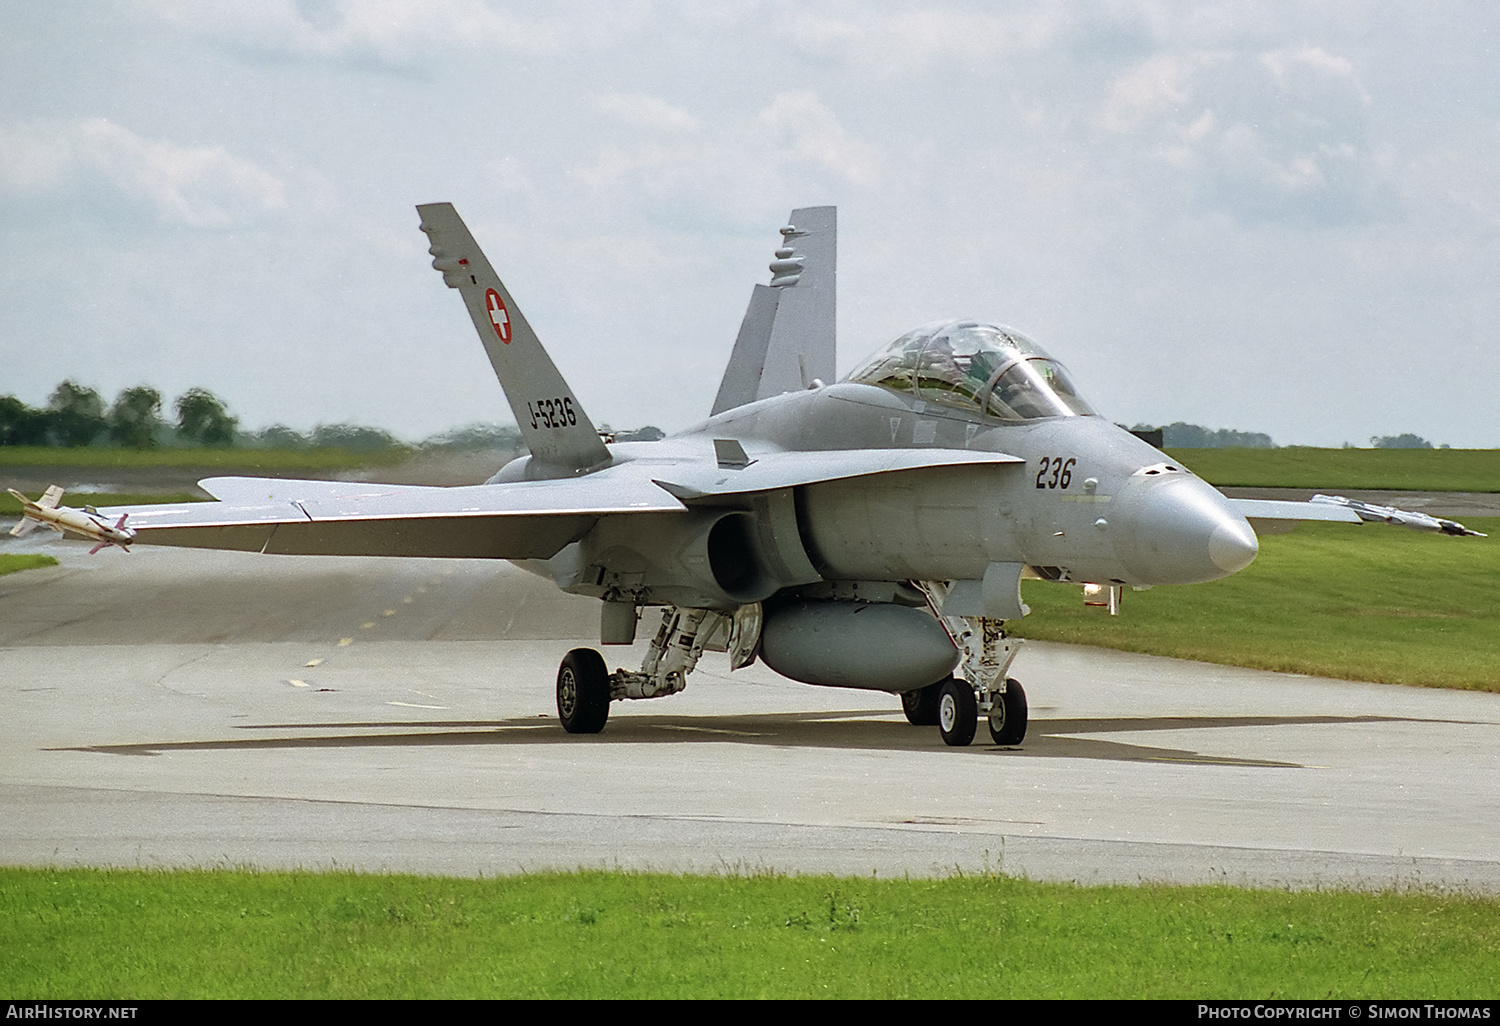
(956, 704)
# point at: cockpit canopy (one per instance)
(976, 366)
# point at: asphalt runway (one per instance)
(178, 708)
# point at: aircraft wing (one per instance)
(770, 471)
(521, 520)
(517, 520)
(1283, 509)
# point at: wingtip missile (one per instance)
(1372, 513)
(68, 520)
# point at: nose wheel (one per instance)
(1008, 715)
(958, 712)
(957, 708)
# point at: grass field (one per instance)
(239, 460)
(9, 507)
(1432, 470)
(135, 934)
(1366, 602)
(9, 564)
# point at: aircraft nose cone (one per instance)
(1233, 546)
(1185, 534)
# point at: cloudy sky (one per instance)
(1280, 217)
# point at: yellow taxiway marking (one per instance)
(389, 612)
(345, 641)
(367, 626)
(298, 683)
(314, 662)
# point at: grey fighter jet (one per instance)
(865, 533)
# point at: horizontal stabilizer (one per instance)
(254, 491)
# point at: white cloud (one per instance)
(395, 33)
(1153, 89)
(807, 130)
(1279, 135)
(197, 186)
(641, 110)
(792, 138)
(888, 39)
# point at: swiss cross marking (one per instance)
(499, 316)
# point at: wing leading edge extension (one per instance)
(772, 471)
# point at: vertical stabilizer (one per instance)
(787, 339)
(551, 419)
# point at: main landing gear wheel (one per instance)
(1008, 717)
(583, 692)
(921, 705)
(958, 712)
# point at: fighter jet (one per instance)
(871, 532)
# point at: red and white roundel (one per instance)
(499, 316)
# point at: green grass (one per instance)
(247, 460)
(223, 934)
(10, 564)
(10, 507)
(1370, 603)
(1433, 470)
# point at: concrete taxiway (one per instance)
(177, 708)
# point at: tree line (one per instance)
(76, 415)
(1191, 436)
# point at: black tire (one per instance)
(958, 713)
(921, 705)
(583, 692)
(1008, 718)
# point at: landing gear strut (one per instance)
(986, 654)
(585, 687)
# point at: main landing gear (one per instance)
(583, 692)
(585, 687)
